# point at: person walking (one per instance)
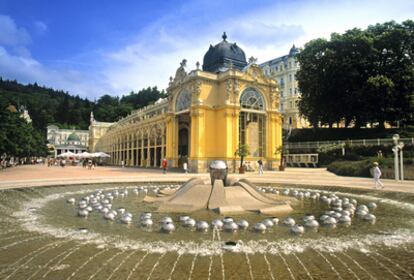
(122, 164)
(185, 167)
(260, 162)
(376, 174)
(164, 165)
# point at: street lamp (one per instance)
(401, 147)
(395, 138)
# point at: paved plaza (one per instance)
(41, 175)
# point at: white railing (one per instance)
(357, 142)
(302, 160)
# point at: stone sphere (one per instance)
(166, 220)
(330, 221)
(121, 210)
(308, 218)
(183, 219)
(190, 223)
(361, 213)
(104, 210)
(218, 224)
(127, 214)
(109, 216)
(370, 218)
(289, 222)
(268, 223)
(202, 226)
(83, 213)
(275, 220)
(260, 227)
(336, 215)
(71, 200)
(168, 227)
(372, 205)
(312, 223)
(297, 229)
(146, 215)
(126, 219)
(363, 207)
(345, 219)
(146, 223)
(227, 220)
(230, 226)
(243, 224)
(89, 208)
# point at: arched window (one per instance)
(252, 99)
(183, 101)
(252, 122)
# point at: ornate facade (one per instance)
(67, 140)
(283, 69)
(207, 114)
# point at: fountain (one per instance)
(224, 195)
(231, 229)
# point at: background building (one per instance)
(283, 69)
(207, 114)
(67, 140)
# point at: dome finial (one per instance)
(224, 36)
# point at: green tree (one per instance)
(360, 76)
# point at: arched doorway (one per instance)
(182, 109)
(252, 122)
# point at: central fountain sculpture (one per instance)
(222, 194)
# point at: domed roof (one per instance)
(220, 57)
(293, 50)
(73, 137)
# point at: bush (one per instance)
(359, 168)
(324, 134)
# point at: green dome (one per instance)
(73, 137)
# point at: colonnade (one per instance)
(143, 147)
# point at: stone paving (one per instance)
(41, 175)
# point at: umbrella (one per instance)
(85, 155)
(67, 154)
(102, 154)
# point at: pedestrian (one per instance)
(376, 174)
(164, 165)
(379, 154)
(122, 164)
(260, 163)
(185, 167)
(89, 164)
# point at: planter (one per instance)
(241, 170)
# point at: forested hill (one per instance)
(49, 106)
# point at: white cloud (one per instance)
(40, 27)
(10, 34)
(154, 53)
(265, 33)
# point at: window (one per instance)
(183, 101)
(252, 125)
(290, 77)
(290, 91)
(252, 99)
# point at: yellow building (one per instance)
(207, 114)
(283, 69)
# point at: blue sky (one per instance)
(96, 47)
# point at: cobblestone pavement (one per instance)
(41, 175)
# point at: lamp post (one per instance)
(401, 147)
(395, 138)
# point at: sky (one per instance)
(96, 47)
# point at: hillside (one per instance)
(49, 106)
